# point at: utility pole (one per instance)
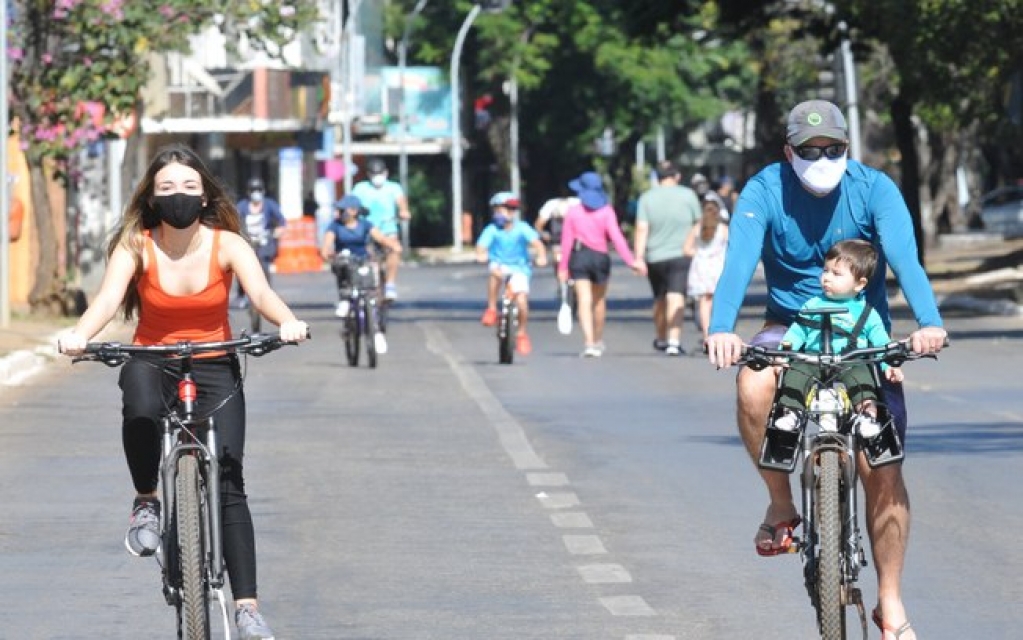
(5, 196)
(456, 131)
(349, 89)
(849, 73)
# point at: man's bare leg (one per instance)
(660, 319)
(755, 392)
(674, 309)
(887, 508)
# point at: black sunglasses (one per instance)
(831, 152)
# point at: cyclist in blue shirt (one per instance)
(504, 244)
(385, 203)
(788, 216)
(351, 232)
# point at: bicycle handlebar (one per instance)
(114, 354)
(893, 353)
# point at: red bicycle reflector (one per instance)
(187, 390)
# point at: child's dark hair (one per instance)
(860, 255)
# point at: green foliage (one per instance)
(77, 66)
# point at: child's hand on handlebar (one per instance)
(894, 374)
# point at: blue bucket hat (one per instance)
(590, 188)
(348, 202)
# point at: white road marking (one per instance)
(558, 499)
(604, 573)
(572, 520)
(627, 606)
(648, 636)
(584, 545)
(537, 479)
(509, 431)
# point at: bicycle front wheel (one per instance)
(830, 610)
(506, 336)
(369, 312)
(194, 606)
(350, 334)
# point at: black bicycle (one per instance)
(827, 444)
(507, 323)
(191, 552)
(359, 286)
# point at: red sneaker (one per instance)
(489, 318)
(523, 344)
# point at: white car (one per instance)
(1001, 210)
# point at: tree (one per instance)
(583, 66)
(77, 67)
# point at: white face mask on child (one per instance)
(820, 176)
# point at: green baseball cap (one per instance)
(815, 119)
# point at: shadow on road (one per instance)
(968, 439)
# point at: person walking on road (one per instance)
(665, 215)
(706, 246)
(789, 215)
(588, 227)
(386, 204)
(170, 262)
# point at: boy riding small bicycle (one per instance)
(504, 244)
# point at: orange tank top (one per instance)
(168, 319)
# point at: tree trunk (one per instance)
(905, 139)
(48, 295)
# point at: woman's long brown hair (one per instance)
(140, 215)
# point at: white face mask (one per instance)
(820, 176)
(378, 180)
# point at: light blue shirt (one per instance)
(509, 247)
(791, 229)
(381, 203)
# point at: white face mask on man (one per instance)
(378, 180)
(820, 176)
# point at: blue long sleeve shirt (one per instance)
(790, 229)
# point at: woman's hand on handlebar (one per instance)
(724, 349)
(71, 343)
(294, 331)
(928, 340)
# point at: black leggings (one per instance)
(147, 385)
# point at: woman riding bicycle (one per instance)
(351, 232)
(171, 261)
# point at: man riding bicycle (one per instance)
(788, 216)
(264, 225)
(385, 203)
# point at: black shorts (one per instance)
(587, 264)
(668, 276)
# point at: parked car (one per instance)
(1001, 210)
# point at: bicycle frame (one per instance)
(183, 435)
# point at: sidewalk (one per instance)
(978, 274)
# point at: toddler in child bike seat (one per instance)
(848, 267)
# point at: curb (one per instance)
(18, 366)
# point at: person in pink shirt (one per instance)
(587, 228)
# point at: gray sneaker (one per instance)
(143, 537)
(250, 623)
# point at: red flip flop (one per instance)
(786, 546)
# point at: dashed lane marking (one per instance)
(558, 499)
(604, 574)
(584, 545)
(627, 606)
(572, 520)
(537, 479)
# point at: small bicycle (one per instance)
(363, 318)
(191, 552)
(507, 323)
(827, 444)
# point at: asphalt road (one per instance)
(446, 496)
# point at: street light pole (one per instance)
(852, 100)
(349, 90)
(402, 112)
(456, 131)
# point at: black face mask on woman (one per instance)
(179, 210)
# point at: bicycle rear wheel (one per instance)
(830, 610)
(369, 312)
(350, 334)
(194, 606)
